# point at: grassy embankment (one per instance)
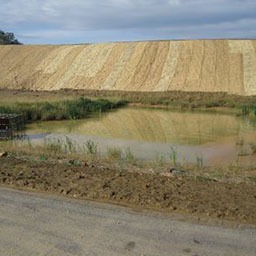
(177, 99)
(173, 99)
(61, 110)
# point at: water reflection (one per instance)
(148, 132)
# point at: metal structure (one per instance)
(10, 124)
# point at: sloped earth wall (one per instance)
(193, 65)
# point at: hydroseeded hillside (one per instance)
(200, 65)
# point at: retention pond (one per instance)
(151, 134)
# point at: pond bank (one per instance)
(170, 99)
(198, 197)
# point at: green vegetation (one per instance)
(160, 160)
(68, 146)
(8, 38)
(68, 151)
(175, 99)
(91, 147)
(114, 153)
(243, 105)
(68, 109)
(54, 145)
(249, 109)
(43, 157)
(173, 156)
(129, 156)
(199, 162)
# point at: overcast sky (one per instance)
(82, 21)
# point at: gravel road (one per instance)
(39, 224)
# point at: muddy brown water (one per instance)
(151, 134)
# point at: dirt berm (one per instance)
(193, 65)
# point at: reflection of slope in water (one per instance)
(156, 125)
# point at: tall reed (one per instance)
(61, 110)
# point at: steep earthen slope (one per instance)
(199, 65)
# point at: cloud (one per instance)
(59, 21)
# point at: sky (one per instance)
(90, 21)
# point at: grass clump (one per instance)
(199, 162)
(159, 159)
(249, 110)
(129, 156)
(67, 109)
(91, 148)
(43, 157)
(114, 153)
(173, 156)
(61, 145)
(66, 145)
(54, 145)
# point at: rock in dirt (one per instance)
(3, 154)
(176, 172)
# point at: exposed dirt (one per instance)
(197, 197)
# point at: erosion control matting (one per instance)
(186, 65)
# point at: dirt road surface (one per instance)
(36, 224)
